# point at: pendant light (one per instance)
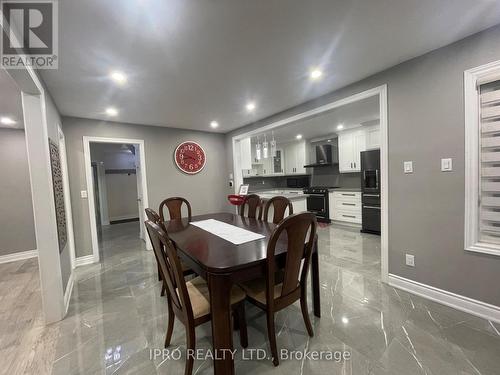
(273, 146)
(265, 148)
(258, 150)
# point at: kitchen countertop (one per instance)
(344, 189)
(287, 193)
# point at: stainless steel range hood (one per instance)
(324, 157)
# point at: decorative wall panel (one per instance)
(57, 182)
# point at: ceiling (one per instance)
(10, 101)
(363, 112)
(190, 62)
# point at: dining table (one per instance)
(223, 264)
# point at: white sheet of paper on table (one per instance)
(227, 231)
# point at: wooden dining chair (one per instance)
(254, 204)
(279, 205)
(174, 206)
(189, 301)
(272, 294)
(155, 218)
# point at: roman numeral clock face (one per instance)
(190, 157)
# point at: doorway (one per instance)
(116, 188)
(351, 163)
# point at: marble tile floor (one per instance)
(116, 316)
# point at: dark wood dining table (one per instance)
(224, 264)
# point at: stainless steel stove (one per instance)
(317, 202)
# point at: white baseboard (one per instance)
(68, 291)
(124, 217)
(83, 261)
(18, 256)
(462, 303)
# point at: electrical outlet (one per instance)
(84, 194)
(410, 260)
(408, 166)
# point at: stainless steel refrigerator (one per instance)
(370, 191)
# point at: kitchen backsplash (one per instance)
(324, 176)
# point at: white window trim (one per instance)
(472, 162)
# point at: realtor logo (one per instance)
(29, 35)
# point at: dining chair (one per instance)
(272, 294)
(279, 205)
(155, 218)
(174, 206)
(254, 204)
(189, 301)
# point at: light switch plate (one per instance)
(83, 194)
(408, 166)
(410, 260)
(446, 165)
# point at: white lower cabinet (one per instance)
(345, 206)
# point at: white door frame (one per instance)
(90, 190)
(381, 92)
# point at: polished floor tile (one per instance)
(117, 317)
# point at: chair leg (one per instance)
(271, 333)
(305, 313)
(242, 324)
(190, 346)
(159, 272)
(163, 289)
(171, 320)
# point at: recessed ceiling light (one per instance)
(316, 74)
(345, 320)
(328, 140)
(214, 124)
(250, 106)
(298, 136)
(111, 111)
(340, 126)
(119, 77)
(7, 121)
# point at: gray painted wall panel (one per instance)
(17, 229)
(426, 123)
(206, 190)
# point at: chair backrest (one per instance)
(171, 268)
(279, 204)
(300, 230)
(253, 202)
(174, 206)
(152, 215)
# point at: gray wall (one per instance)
(426, 208)
(17, 229)
(206, 190)
(121, 191)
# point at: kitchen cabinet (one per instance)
(345, 206)
(351, 143)
(373, 137)
(273, 165)
(295, 158)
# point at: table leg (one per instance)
(315, 280)
(222, 333)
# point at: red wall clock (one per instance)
(190, 157)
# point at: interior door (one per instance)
(140, 204)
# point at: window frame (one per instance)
(472, 159)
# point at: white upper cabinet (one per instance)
(351, 143)
(295, 157)
(373, 137)
(246, 153)
(273, 165)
